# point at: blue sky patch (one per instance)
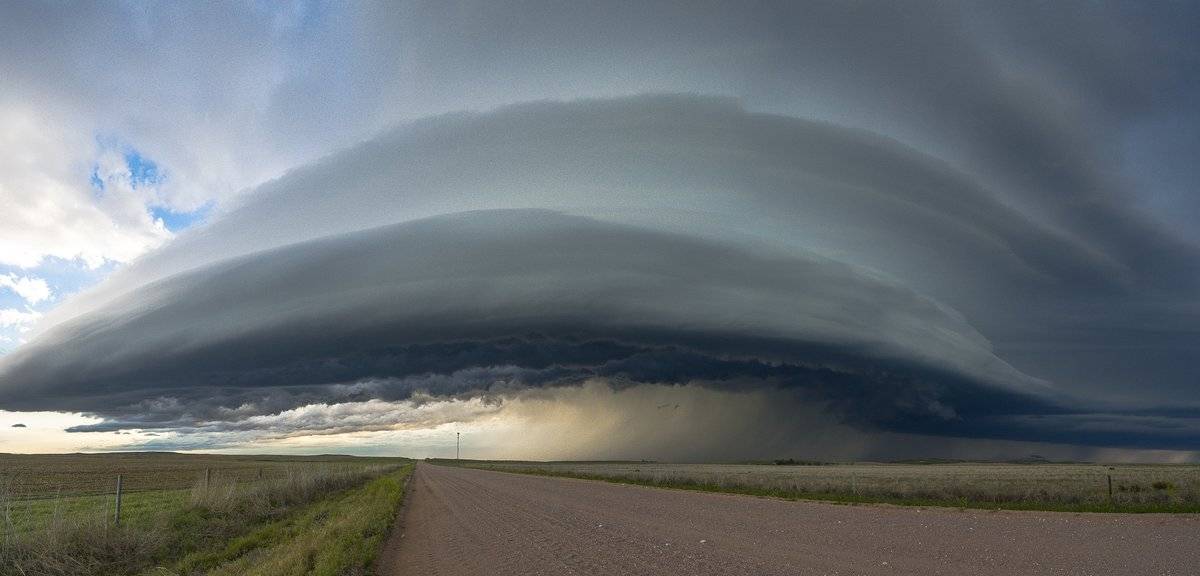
(142, 170)
(65, 277)
(176, 221)
(97, 183)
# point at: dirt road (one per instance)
(459, 521)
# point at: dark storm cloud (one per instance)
(924, 217)
(721, 247)
(495, 302)
(1057, 305)
(566, 296)
(1032, 96)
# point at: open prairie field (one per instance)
(57, 512)
(25, 476)
(35, 489)
(1076, 487)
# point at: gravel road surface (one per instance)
(459, 521)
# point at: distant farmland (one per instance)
(56, 475)
(1069, 487)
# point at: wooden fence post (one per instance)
(207, 478)
(1110, 489)
(117, 513)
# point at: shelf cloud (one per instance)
(666, 240)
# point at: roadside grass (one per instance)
(337, 536)
(1044, 487)
(175, 525)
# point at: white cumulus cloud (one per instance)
(50, 208)
(32, 290)
(20, 319)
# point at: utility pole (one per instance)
(457, 443)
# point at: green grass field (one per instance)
(137, 508)
(337, 509)
(1066, 487)
(42, 488)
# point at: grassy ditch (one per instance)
(333, 537)
(1047, 487)
(204, 520)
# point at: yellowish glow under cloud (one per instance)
(591, 421)
(45, 432)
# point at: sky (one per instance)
(660, 230)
